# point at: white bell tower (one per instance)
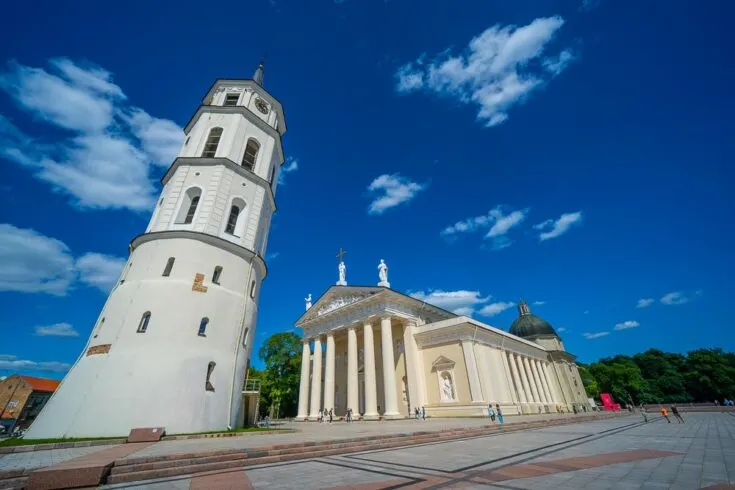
(172, 344)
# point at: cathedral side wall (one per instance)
(454, 353)
(127, 379)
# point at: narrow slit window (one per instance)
(210, 369)
(145, 319)
(203, 327)
(252, 289)
(99, 326)
(210, 147)
(169, 266)
(245, 337)
(231, 99)
(216, 275)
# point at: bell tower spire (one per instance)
(259, 73)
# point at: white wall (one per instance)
(158, 378)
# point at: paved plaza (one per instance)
(619, 453)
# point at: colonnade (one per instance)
(532, 379)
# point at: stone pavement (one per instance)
(620, 453)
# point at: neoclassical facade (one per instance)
(382, 353)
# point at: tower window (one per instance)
(145, 319)
(99, 326)
(251, 154)
(273, 175)
(203, 327)
(210, 147)
(245, 337)
(217, 274)
(231, 99)
(210, 369)
(192, 209)
(252, 289)
(169, 266)
(189, 205)
(232, 219)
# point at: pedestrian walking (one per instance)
(416, 413)
(499, 414)
(491, 412)
(665, 413)
(644, 414)
(423, 413)
(330, 415)
(319, 416)
(676, 413)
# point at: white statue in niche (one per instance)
(383, 274)
(447, 387)
(308, 301)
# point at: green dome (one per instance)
(529, 325)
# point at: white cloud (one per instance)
(12, 363)
(498, 222)
(390, 191)
(461, 302)
(290, 165)
(645, 302)
(272, 256)
(98, 270)
(499, 69)
(627, 324)
(561, 329)
(558, 227)
(675, 298)
(597, 335)
(34, 263)
(103, 156)
(586, 312)
(495, 308)
(539, 303)
(56, 330)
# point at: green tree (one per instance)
(281, 354)
(621, 377)
(709, 375)
(589, 381)
(661, 371)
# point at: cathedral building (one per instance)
(383, 353)
(173, 341)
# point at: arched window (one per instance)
(210, 147)
(252, 289)
(210, 369)
(232, 219)
(251, 154)
(169, 266)
(235, 224)
(189, 204)
(217, 274)
(203, 327)
(143, 325)
(245, 337)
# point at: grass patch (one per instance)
(18, 441)
(236, 431)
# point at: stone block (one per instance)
(146, 434)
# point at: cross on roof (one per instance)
(341, 254)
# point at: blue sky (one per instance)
(571, 153)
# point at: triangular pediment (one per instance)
(337, 297)
(441, 363)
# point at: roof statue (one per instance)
(383, 274)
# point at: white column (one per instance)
(472, 374)
(316, 380)
(304, 382)
(550, 382)
(352, 381)
(389, 368)
(413, 370)
(524, 379)
(329, 374)
(537, 379)
(529, 378)
(508, 377)
(371, 387)
(517, 378)
(542, 379)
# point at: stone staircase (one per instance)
(13, 479)
(147, 468)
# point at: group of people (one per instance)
(664, 413)
(325, 416)
(494, 413)
(419, 413)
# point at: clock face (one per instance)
(261, 106)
